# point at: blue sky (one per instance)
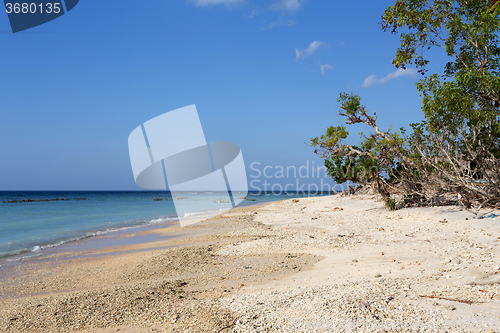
(263, 74)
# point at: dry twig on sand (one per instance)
(451, 299)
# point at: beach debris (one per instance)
(372, 312)
(492, 216)
(443, 221)
(295, 200)
(381, 229)
(354, 260)
(338, 208)
(451, 299)
(228, 326)
(378, 275)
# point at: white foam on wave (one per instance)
(35, 250)
(204, 212)
(38, 248)
(162, 219)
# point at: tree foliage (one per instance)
(455, 151)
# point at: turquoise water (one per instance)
(33, 220)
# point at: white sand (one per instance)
(440, 251)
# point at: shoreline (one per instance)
(35, 248)
(284, 266)
(102, 242)
(40, 250)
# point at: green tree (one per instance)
(456, 149)
(376, 157)
(467, 95)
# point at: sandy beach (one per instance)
(321, 264)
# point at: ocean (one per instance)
(33, 220)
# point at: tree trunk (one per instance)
(382, 189)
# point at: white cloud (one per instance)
(326, 67)
(290, 5)
(279, 23)
(205, 3)
(370, 81)
(309, 51)
(373, 80)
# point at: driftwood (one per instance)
(228, 326)
(451, 299)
